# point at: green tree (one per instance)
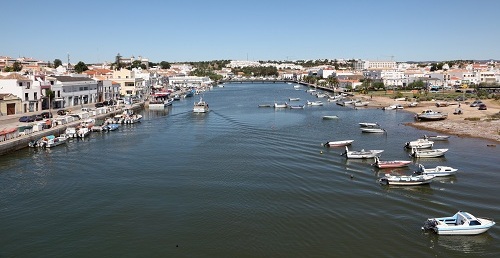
(57, 63)
(164, 65)
(8, 69)
(16, 66)
(81, 67)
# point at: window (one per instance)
(35, 95)
(20, 84)
(26, 97)
(28, 84)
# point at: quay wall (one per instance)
(21, 142)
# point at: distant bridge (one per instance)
(256, 81)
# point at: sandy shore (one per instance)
(483, 125)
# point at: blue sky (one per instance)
(200, 30)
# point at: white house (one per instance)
(23, 87)
(73, 90)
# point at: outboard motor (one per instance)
(430, 224)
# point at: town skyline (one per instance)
(194, 30)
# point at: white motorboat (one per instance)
(49, 141)
(265, 105)
(361, 103)
(296, 87)
(372, 130)
(71, 132)
(413, 104)
(200, 106)
(427, 153)
(294, 99)
(338, 143)
(315, 103)
(284, 105)
(462, 223)
(406, 180)
(430, 115)
(369, 124)
(419, 144)
(330, 117)
(437, 137)
(363, 154)
(391, 164)
(437, 171)
(83, 132)
(393, 107)
(296, 106)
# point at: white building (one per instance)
(73, 90)
(26, 88)
(368, 65)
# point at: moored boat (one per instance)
(338, 143)
(462, 223)
(430, 115)
(437, 171)
(282, 105)
(330, 117)
(315, 103)
(372, 130)
(296, 106)
(362, 154)
(419, 144)
(294, 99)
(369, 124)
(390, 164)
(437, 137)
(427, 153)
(406, 180)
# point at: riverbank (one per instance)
(472, 123)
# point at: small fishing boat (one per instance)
(330, 117)
(338, 143)
(361, 103)
(430, 115)
(201, 106)
(428, 153)
(390, 164)
(369, 124)
(296, 106)
(315, 103)
(393, 107)
(437, 171)
(265, 105)
(363, 154)
(372, 130)
(406, 180)
(294, 99)
(462, 223)
(437, 137)
(276, 105)
(419, 144)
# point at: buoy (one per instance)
(352, 176)
(321, 152)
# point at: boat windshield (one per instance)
(474, 223)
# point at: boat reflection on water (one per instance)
(412, 189)
(477, 244)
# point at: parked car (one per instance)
(62, 112)
(38, 117)
(99, 104)
(476, 103)
(482, 106)
(46, 114)
(26, 119)
(461, 98)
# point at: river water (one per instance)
(242, 181)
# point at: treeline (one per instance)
(264, 71)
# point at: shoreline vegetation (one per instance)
(472, 123)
